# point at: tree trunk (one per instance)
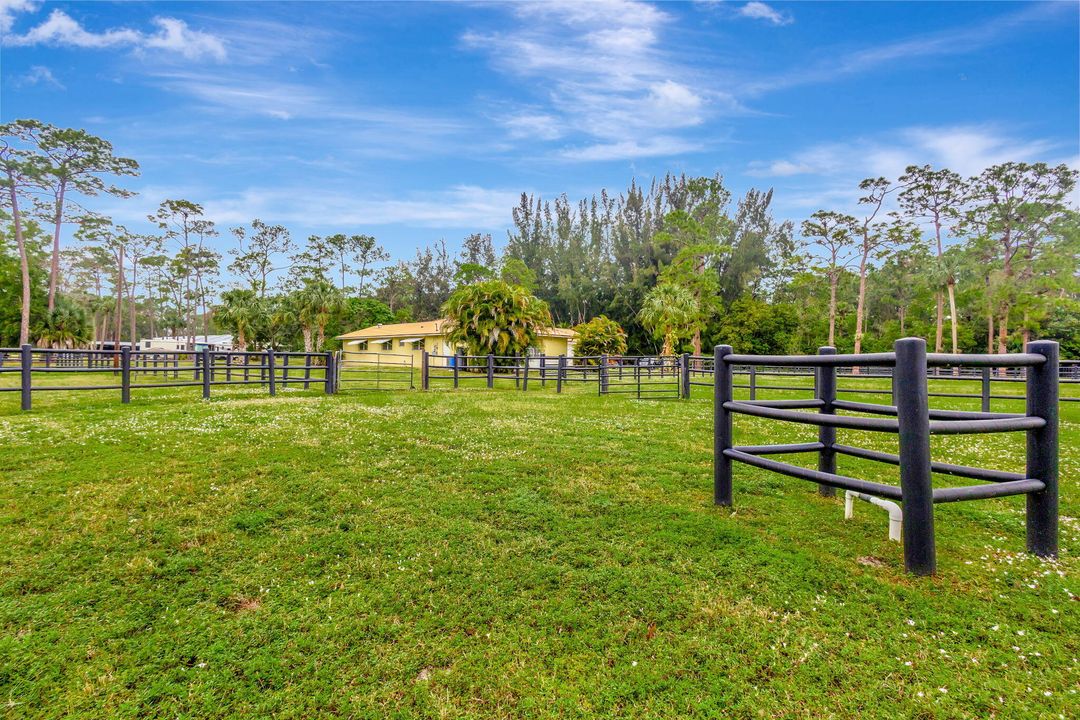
(131, 301)
(24, 263)
(119, 296)
(832, 310)
(307, 338)
(940, 331)
(696, 340)
(952, 314)
(860, 307)
(54, 264)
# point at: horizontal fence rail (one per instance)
(913, 421)
(145, 369)
(770, 376)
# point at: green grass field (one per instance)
(498, 554)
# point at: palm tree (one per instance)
(65, 326)
(315, 305)
(282, 317)
(494, 317)
(240, 311)
(669, 312)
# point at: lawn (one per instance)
(479, 553)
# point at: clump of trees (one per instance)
(599, 336)
(978, 264)
(495, 317)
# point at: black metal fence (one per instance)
(643, 376)
(912, 420)
(492, 370)
(138, 370)
(372, 370)
(698, 372)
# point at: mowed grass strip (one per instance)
(480, 553)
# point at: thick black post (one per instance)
(270, 370)
(424, 360)
(560, 373)
(517, 371)
(125, 375)
(26, 357)
(826, 391)
(986, 389)
(284, 371)
(543, 370)
(602, 375)
(330, 386)
(525, 376)
(206, 373)
(490, 371)
(307, 371)
(458, 359)
(753, 382)
(684, 376)
(913, 416)
(1042, 451)
(721, 426)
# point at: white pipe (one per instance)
(896, 514)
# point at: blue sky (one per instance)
(415, 122)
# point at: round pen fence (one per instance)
(41, 370)
(641, 376)
(914, 422)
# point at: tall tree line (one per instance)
(977, 264)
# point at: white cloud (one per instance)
(10, 8)
(39, 75)
(967, 149)
(827, 174)
(842, 62)
(603, 70)
(630, 150)
(531, 124)
(173, 36)
(761, 11)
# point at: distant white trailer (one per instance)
(222, 343)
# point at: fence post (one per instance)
(603, 374)
(684, 376)
(490, 371)
(560, 373)
(26, 356)
(543, 370)
(753, 382)
(285, 371)
(307, 371)
(913, 419)
(1042, 450)
(525, 374)
(270, 370)
(517, 371)
(206, 360)
(457, 367)
(331, 374)
(986, 389)
(825, 391)
(125, 375)
(721, 426)
(424, 369)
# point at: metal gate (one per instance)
(650, 377)
(369, 370)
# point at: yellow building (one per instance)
(402, 340)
